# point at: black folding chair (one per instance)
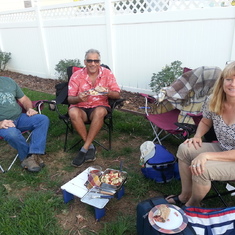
(61, 98)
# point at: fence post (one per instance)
(232, 56)
(109, 34)
(42, 35)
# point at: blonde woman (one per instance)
(200, 162)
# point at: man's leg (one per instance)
(38, 125)
(97, 121)
(78, 118)
(16, 140)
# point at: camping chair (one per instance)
(39, 106)
(171, 106)
(61, 98)
(164, 122)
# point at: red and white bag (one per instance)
(212, 221)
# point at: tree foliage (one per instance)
(4, 59)
(166, 76)
(61, 67)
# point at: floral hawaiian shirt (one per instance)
(80, 82)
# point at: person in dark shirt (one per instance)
(13, 122)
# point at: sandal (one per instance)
(176, 200)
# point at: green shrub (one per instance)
(61, 67)
(165, 77)
(4, 58)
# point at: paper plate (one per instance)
(93, 92)
(176, 222)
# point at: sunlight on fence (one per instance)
(83, 8)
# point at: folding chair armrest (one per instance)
(149, 98)
(116, 103)
(39, 104)
(196, 117)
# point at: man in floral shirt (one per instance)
(88, 93)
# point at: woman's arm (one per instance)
(203, 127)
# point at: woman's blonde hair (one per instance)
(218, 94)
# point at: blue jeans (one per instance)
(38, 124)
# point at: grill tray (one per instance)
(106, 186)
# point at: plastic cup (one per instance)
(95, 170)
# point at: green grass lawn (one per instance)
(33, 203)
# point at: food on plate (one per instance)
(93, 92)
(101, 89)
(112, 178)
(162, 213)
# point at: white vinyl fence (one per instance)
(136, 38)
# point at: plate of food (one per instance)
(167, 218)
(99, 90)
(113, 179)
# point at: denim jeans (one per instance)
(38, 124)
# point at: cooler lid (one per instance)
(162, 155)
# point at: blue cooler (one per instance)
(161, 166)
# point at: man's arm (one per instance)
(27, 105)
(113, 94)
(82, 97)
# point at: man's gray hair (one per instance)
(92, 51)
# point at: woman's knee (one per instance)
(183, 153)
(203, 179)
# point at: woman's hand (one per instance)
(196, 141)
(198, 164)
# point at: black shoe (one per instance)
(79, 159)
(90, 155)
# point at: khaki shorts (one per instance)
(214, 170)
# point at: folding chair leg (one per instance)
(110, 139)
(66, 139)
(219, 195)
(2, 169)
(29, 135)
(156, 134)
(101, 145)
(66, 150)
(68, 128)
(13, 162)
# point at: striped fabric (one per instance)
(211, 221)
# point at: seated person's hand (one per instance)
(5, 124)
(83, 96)
(198, 164)
(31, 112)
(101, 89)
